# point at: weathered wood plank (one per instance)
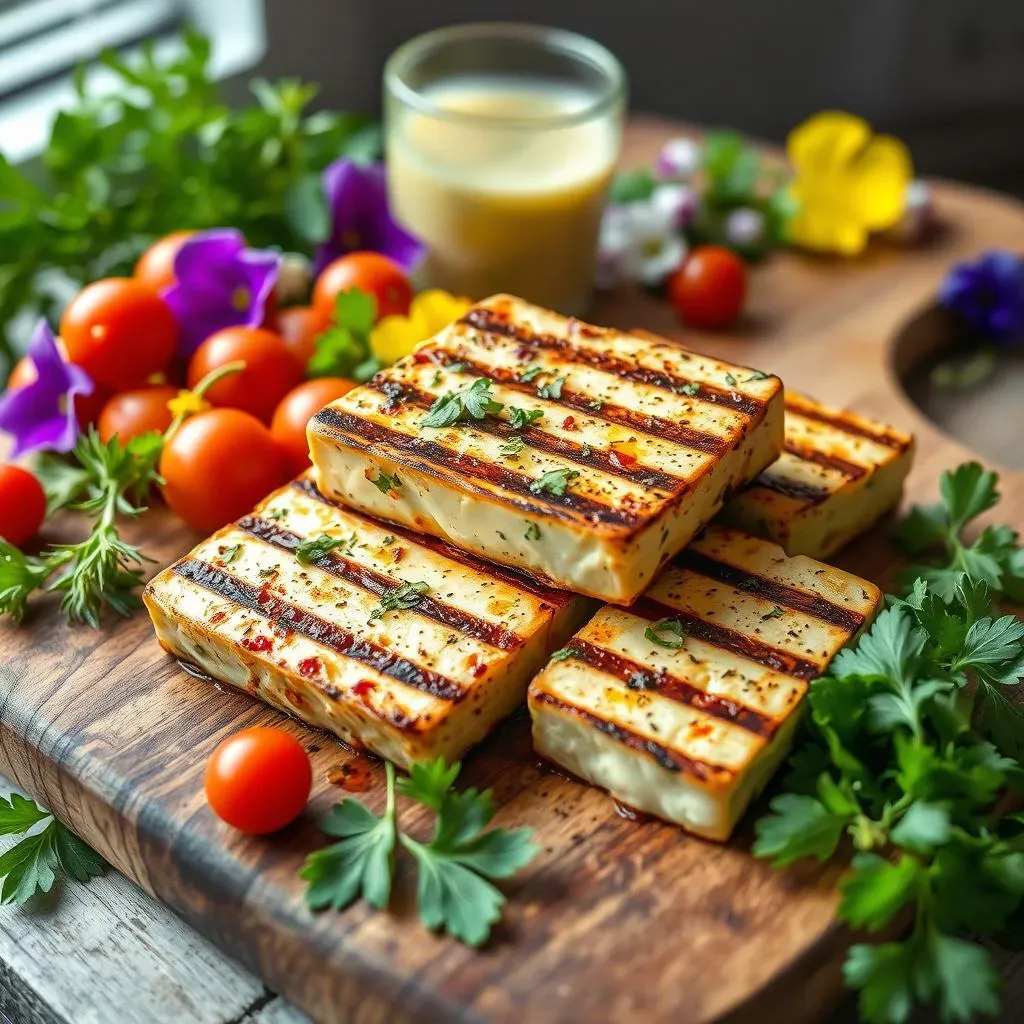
(615, 921)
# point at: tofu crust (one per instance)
(430, 677)
(685, 703)
(647, 438)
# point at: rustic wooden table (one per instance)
(108, 952)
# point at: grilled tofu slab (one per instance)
(838, 475)
(428, 677)
(632, 445)
(690, 729)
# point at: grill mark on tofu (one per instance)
(435, 458)
(493, 322)
(671, 760)
(655, 426)
(377, 583)
(596, 458)
(796, 600)
(508, 575)
(801, 490)
(849, 469)
(730, 640)
(637, 676)
(841, 422)
(292, 618)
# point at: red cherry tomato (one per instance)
(369, 272)
(87, 407)
(217, 465)
(270, 369)
(136, 412)
(156, 265)
(708, 289)
(119, 331)
(295, 411)
(300, 326)
(258, 780)
(22, 505)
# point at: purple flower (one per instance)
(360, 219)
(988, 294)
(219, 283)
(42, 414)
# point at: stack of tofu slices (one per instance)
(522, 510)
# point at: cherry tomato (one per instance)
(136, 412)
(87, 407)
(119, 331)
(258, 780)
(709, 288)
(295, 411)
(270, 369)
(217, 465)
(369, 272)
(22, 505)
(156, 265)
(300, 326)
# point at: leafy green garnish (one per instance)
(994, 557)
(671, 626)
(756, 375)
(455, 867)
(554, 481)
(551, 389)
(405, 595)
(913, 737)
(156, 152)
(632, 186)
(520, 419)
(775, 613)
(512, 447)
(689, 389)
(474, 401)
(314, 548)
(564, 654)
(730, 380)
(532, 532)
(231, 553)
(343, 349)
(33, 863)
(531, 373)
(386, 482)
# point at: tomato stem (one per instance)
(200, 390)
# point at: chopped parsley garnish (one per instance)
(688, 389)
(730, 380)
(551, 388)
(532, 532)
(512, 447)
(564, 654)
(388, 540)
(522, 418)
(756, 375)
(473, 402)
(671, 626)
(531, 373)
(278, 514)
(597, 404)
(457, 367)
(315, 548)
(554, 481)
(775, 613)
(586, 450)
(231, 554)
(387, 482)
(406, 595)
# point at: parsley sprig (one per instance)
(474, 401)
(405, 595)
(343, 349)
(33, 863)
(102, 571)
(455, 868)
(913, 737)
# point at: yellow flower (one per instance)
(848, 182)
(394, 337)
(187, 403)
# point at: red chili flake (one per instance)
(310, 667)
(265, 594)
(258, 644)
(421, 356)
(364, 687)
(622, 459)
(569, 423)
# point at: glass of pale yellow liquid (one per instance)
(501, 142)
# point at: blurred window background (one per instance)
(945, 75)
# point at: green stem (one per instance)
(389, 773)
(227, 370)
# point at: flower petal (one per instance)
(205, 252)
(394, 337)
(883, 170)
(259, 269)
(436, 309)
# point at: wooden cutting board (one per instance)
(615, 921)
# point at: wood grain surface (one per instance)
(615, 921)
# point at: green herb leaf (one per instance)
(512, 447)
(731, 380)
(799, 826)
(405, 595)
(231, 553)
(924, 827)
(386, 482)
(775, 613)
(520, 419)
(531, 373)
(632, 186)
(756, 375)
(473, 402)
(314, 548)
(532, 532)
(564, 654)
(551, 389)
(671, 626)
(690, 389)
(554, 481)
(876, 889)
(18, 814)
